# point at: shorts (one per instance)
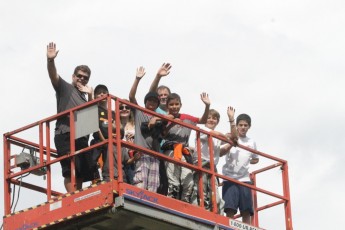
(237, 197)
(82, 161)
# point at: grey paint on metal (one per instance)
(86, 121)
(166, 217)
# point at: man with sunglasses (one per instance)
(69, 95)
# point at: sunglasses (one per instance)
(80, 76)
(124, 107)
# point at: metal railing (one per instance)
(48, 157)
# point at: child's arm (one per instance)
(224, 149)
(153, 122)
(169, 126)
(135, 157)
(206, 100)
(139, 75)
(163, 71)
(233, 130)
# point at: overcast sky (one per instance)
(279, 61)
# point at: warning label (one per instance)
(242, 226)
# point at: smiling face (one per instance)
(212, 122)
(125, 111)
(152, 103)
(174, 106)
(80, 78)
(163, 95)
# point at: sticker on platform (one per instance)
(242, 226)
(55, 205)
(87, 196)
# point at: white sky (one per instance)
(279, 61)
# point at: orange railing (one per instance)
(48, 158)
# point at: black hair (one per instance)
(173, 96)
(244, 117)
(83, 68)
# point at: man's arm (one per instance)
(206, 100)
(140, 73)
(51, 55)
(163, 71)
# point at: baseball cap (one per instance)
(100, 87)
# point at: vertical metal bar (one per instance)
(118, 143)
(286, 190)
(40, 143)
(200, 181)
(7, 183)
(213, 178)
(72, 149)
(255, 219)
(49, 192)
(110, 154)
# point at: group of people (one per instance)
(157, 134)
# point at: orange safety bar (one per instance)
(48, 157)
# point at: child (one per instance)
(146, 175)
(176, 139)
(219, 149)
(236, 166)
(100, 154)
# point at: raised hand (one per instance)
(164, 70)
(140, 72)
(234, 134)
(51, 50)
(231, 113)
(205, 98)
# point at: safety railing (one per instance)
(15, 167)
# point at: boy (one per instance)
(102, 134)
(219, 150)
(146, 175)
(176, 140)
(236, 166)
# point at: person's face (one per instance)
(124, 110)
(174, 106)
(81, 78)
(101, 93)
(212, 122)
(163, 95)
(151, 104)
(242, 128)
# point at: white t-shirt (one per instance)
(237, 161)
(205, 152)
